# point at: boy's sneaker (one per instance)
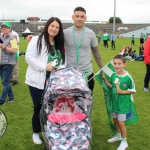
(114, 139)
(11, 100)
(2, 102)
(146, 89)
(123, 145)
(36, 138)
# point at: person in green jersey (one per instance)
(105, 39)
(122, 87)
(98, 37)
(132, 40)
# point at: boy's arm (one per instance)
(119, 91)
(106, 81)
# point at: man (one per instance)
(112, 38)
(79, 41)
(98, 37)
(142, 38)
(14, 77)
(8, 49)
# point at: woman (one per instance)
(41, 51)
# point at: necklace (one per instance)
(75, 44)
(57, 56)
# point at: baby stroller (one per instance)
(65, 115)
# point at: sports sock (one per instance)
(118, 135)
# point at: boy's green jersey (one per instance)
(121, 103)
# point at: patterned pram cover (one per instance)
(66, 111)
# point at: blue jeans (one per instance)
(5, 74)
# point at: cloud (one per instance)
(130, 11)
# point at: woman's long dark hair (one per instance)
(58, 39)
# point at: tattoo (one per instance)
(97, 56)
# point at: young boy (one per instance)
(122, 88)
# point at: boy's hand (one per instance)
(119, 91)
(103, 75)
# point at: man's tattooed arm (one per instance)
(97, 56)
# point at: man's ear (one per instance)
(72, 17)
(85, 18)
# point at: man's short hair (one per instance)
(79, 9)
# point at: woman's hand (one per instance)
(49, 67)
(29, 37)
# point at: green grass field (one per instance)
(19, 113)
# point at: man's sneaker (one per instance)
(123, 145)
(36, 138)
(114, 139)
(2, 103)
(10, 101)
(146, 89)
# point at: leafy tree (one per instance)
(117, 20)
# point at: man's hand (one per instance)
(2, 46)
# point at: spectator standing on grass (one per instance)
(15, 73)
(9, 47)
(112, 39)
(146, 36)
(132, 40)
(142, 38)
(41, 51)
(105, 38)
(121, 87)
(98, 37)
(147, 62)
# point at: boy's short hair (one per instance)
(121, 57)
(79, 9)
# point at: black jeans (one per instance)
(112, 44)
(106, 43)
(147, 76)
(91, 82)
(36, 95)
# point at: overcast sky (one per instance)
(130, 11)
